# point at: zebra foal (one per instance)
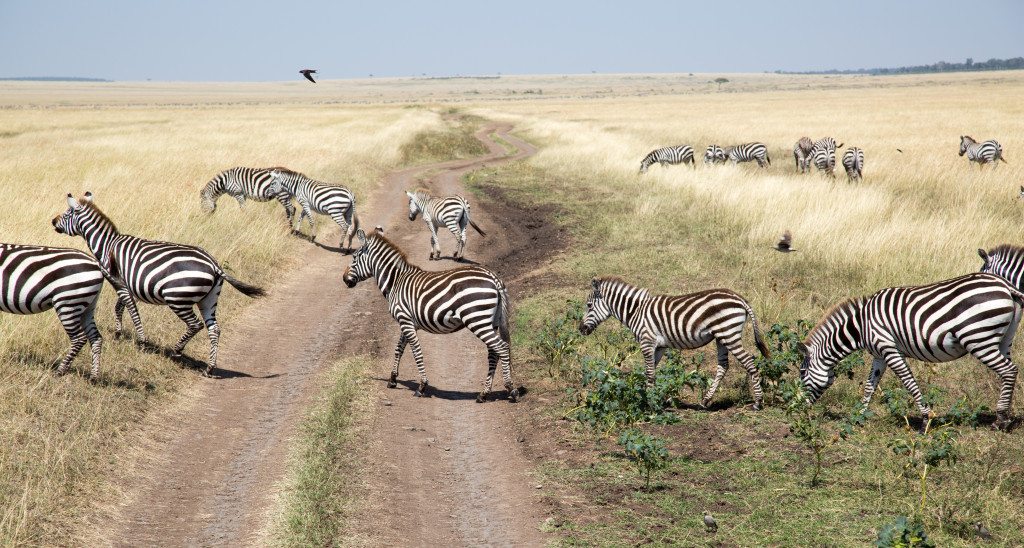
(337, 202)
(35, 279)
(683, 322)
(174, 275)
(802, 153)
(450, 211)
(241, 183)
(976, 314)
(987, 152)
(470, 297)
(668, 156)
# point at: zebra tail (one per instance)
(758, 339)
(465, 213)
(500, 321)
(112, 273)
(246, 289)
(767, 158)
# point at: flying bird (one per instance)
(785, 244)
(307, 73)
(709, 523)
(900, 151)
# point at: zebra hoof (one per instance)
(756, 406)
(421, 391)
(481, 397)
(704, 404)
(392, 384)
(513, 395)
(1002, 423)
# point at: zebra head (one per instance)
(415, 207)
(360, 269)
(68, 222)
(837, 336)
(965, 142)
(597, 309)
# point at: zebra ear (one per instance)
(72, 202)
(984, 255)
(801, 348)
(378, 229)
(409, 194)
(361, 235)
(88, 197)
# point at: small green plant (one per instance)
(904, 533)
(922, 452)
(806, 423)
(674, 375)
(611, 397)
(559, 340)
(782, 339)
(647, 452)
(962, 413)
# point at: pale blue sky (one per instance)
(261, 40)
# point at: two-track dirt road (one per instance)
(443, 471)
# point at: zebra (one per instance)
(241, 183)
(35, 279)
(451, 211)
(161, 273)
(747, 152)
(823, 155)
(337, 202)
(667, 156)
(983, 153)
(802, 153)
(853, 163)
(684, 321)
(442, 302)
(715, 154)
(940, 322)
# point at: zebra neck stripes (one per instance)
(1006, 261)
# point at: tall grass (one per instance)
(64, 438)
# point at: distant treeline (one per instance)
(55, 79)
(1016, 63)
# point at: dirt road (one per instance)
(445, 470)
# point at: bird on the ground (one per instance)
(710, 523)
(307, 73)
(785, 244)
(982, 531)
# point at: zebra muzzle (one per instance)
(349, 279)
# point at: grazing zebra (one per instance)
(683, 321)
(940, 322)
(802, 153)
(450, 211)
(983, 153)
(668, 156)
(747, 152)
(241, 183)
(34, 279)
(853, 163)
(437, 302)
(337, 202)
(715, 154)
(176, 275)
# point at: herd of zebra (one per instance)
(821, 154)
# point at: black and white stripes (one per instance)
(241, 183)
(175, 275)
(853, 163)
(977, 314)
(683, 321)
(470, 297)
(823, 155)
(802, 153)
(450, 211)
(337, 202)
(668, 156)
(749, 152)
(988, 152)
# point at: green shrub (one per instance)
(903, 533)
(558, 341)
(647, 452)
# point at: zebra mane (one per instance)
(388, 243)
(617, 281)
(1004, 251)
(99, 213)
(289, 172)
(853, 303)
(422, 193)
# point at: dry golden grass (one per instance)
(146, 164)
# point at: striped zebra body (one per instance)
(450, 211)
(174, 275)
(243, 183)
(975, 314)
(802, 153)
(668, 156)
(749, 152)
(715, 154)
(853, 163)
(442, 302)
(683, 322)
(34, 279)
(823, 155)
(987, 152)
(337, 202)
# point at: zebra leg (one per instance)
(995, 360)
(899, 366)
(289, 210)
(399, 350)
(312, 226)
(208, 308)
(649, 348)
(409, 333)
(458, 229)
(492, 366)
(874, 376)
(498, 352)
(745, 359)
(95, 340)
(435, 248)
(125, 300)
(71, 319)
(723, 366)
(187, 315)
(340, 219)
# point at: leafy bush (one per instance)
(962, 413)
(646, 451)
(904, 533)
(558, 341)
(782, 339)
(805, 423)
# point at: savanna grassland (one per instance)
(917, 217)
(145, 151)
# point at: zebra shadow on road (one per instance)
(454, 395)
(338, 249)
(197, 365)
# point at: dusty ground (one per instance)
(444, 470)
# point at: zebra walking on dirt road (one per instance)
(450, 211)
